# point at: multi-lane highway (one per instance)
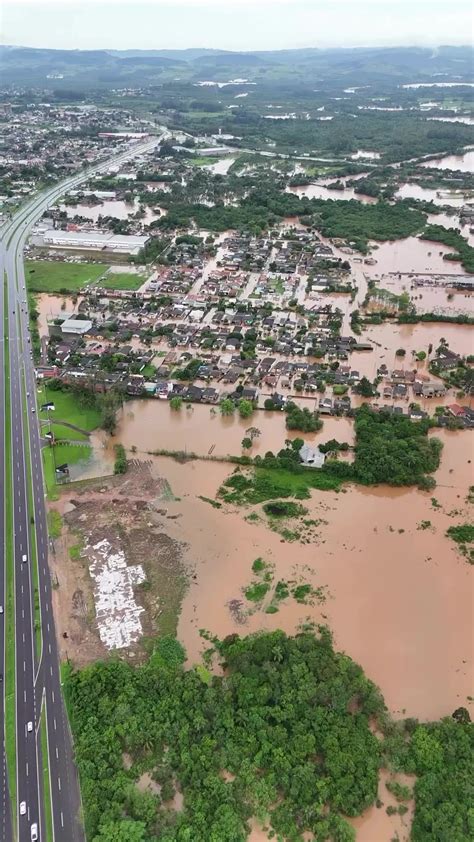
(37, 677)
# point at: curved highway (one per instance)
(37, 674)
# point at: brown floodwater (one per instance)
(54, 306)
(321, 191)
(400, 597)
(112, 207)
(152, 425)
(411, 255)
(389, 337)
(464, 163)
(456, 198)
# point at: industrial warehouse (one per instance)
(95, 241)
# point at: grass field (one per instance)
(68, 409)
(70, 453)
(46, 276)
(201, 160)
(123, 280)
(65, 433)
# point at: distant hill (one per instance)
(87, 69)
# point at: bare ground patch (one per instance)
(128, 516)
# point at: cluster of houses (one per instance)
(40, 142)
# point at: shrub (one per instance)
(120, 465)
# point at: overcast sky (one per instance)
(233, 24)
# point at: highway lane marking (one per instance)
(62, 819)
(57, 753)
(27, 770)
(54, 723)
(59, 784)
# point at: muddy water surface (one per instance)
(401, 597)
(464, 163)
(116, 208)
(321, 191)
(152, 425)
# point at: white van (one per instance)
(24, 558)
(34, 832)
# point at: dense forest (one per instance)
(265, 206)
(285, 734)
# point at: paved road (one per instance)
(37, 673)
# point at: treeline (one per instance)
(286, 734)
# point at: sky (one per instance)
(233, 24)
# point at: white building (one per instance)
(312, 456)
(77, 327)
(95, 241)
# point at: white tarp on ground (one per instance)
(117, 613)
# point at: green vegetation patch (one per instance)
(120, 464)
(214, 503)
(9, 607)
(227, 725)
(63, 433)
(48, 816)
(463, 535)
(55, 523)
(257, 591)
(390, 449)
(280, 509)
(58, 277)
(305, 771)
(70, 407)
(123, 280)
(72, 454)
(262, 484)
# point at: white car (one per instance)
(1, 609)
(22, 808)
(34, 832)
(30, 726)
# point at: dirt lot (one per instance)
(131, 516)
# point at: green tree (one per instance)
(247, 443)
(126, 830)
(176, 402)
(246, 408)
(227, 406)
